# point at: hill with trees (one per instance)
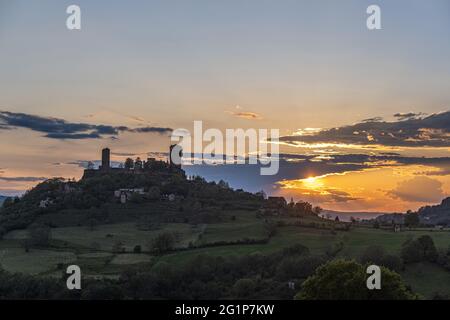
(437, 215)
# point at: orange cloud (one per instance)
(246, 115)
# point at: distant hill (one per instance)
(2, 198)
(438, 214)
(346, 216)
(391, 218)
(433, 215)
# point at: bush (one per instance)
(163, 243)
(373, 254)
(298, 267)
(412, 219)
(421, 249)
(244, 288)
(118, 247)
(346, 280)
(376, 255)
(392, 262)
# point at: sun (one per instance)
(312, 183)
(310, 180)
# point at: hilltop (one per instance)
(97, 199)
(437, 214)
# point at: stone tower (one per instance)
(106, 159)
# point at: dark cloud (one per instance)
(375, 119)
(54, 128)
(433, 131)
(391, 159)
(409, 115)
(389, 153)
(23, 179)
(294, 166)
(248, 176)
(73, 136)
(150, 130)
(326, 195)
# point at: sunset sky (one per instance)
(378, 101)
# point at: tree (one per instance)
(261, 194)
(162, 243)
(8, 202)
(271, 228)
(317, 210)
(421, 249)
(412, 219)
(129, 164)
(303, 208)
(118, 247)
(427, 247)
(224, 185)
(244, 288)
(136, 198)
(138, 163)
(373, 254)
(154, 193)
(377, 255)
(90, 165)
(392, 262)
(298, 267)
(346, 280)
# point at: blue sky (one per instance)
(163, 64)
(301, 57)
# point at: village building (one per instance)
(45, 203)
(275, 205)
(124, 195)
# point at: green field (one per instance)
(427, 279)
(104, 237)
(92, 248)
(318, 240)
(35, 261)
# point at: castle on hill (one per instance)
(137, 166)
